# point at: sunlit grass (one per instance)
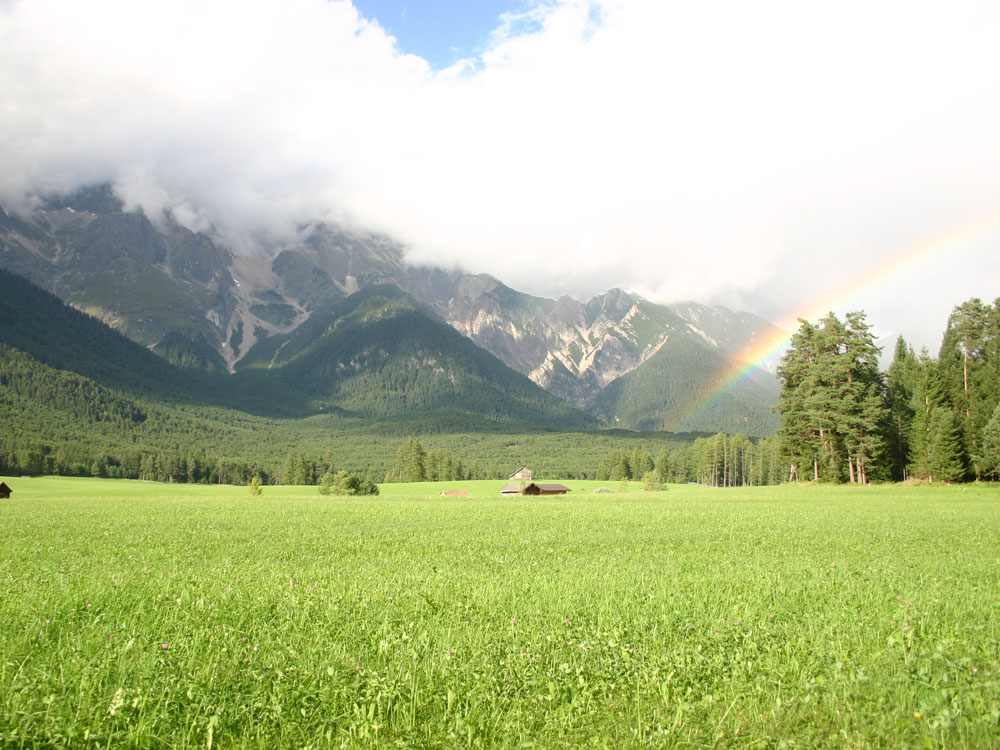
(169, 616)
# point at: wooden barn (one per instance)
(5, 490)
(534, 488)
(454, 493)
(523, 473)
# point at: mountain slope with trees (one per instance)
(379, 354)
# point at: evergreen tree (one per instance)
(410, 462)
(946, 462)
(680, 464)
(326, 482)
(963, 363)
(928, 396)
(663, 466)
(651, 482)
(989, 451)
(832, 402)
(901, 382)
(861, 390)
(800, 437)
(641, 462)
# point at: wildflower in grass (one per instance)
(513, 621)
(165, 646)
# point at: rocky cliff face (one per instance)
(182, 293)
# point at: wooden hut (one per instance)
(5, 490)
(533, 488)
(523, 473)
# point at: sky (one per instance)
(442, 32)
(779, 157)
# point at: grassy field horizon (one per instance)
(145, 615)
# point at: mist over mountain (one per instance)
(625, 360)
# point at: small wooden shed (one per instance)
(5, 490)
(523, 473)
(455, 493)
(533, 488)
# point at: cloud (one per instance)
(755, 154)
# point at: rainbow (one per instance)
(764, 355)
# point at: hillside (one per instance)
(379, 354)
(676, 388)
(40, 325)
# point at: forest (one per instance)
(927, 418)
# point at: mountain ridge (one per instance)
(205, 308)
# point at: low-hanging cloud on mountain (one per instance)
(757, 154)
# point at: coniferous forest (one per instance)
(927, 418)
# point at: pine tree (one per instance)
(901, 382)
(862, 399)
(410, 461)
(799, 436)
(962, 361)
(326, 482)
(946, 462)
(989, 447)
(928, 395)
(832, 401)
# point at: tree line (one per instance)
(415, 464)
(720, 460)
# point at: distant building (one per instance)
(523, 473)
(532, 488)
(455, 493)
(5, 490)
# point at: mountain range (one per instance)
(338, 320)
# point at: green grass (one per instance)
(142, 615)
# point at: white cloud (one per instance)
(758, 154)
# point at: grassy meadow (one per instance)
(163, 616)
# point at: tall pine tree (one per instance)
(928, 396)
(833, 400)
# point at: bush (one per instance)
(651, 481)
(343, 483)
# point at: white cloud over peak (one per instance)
(758, 154)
